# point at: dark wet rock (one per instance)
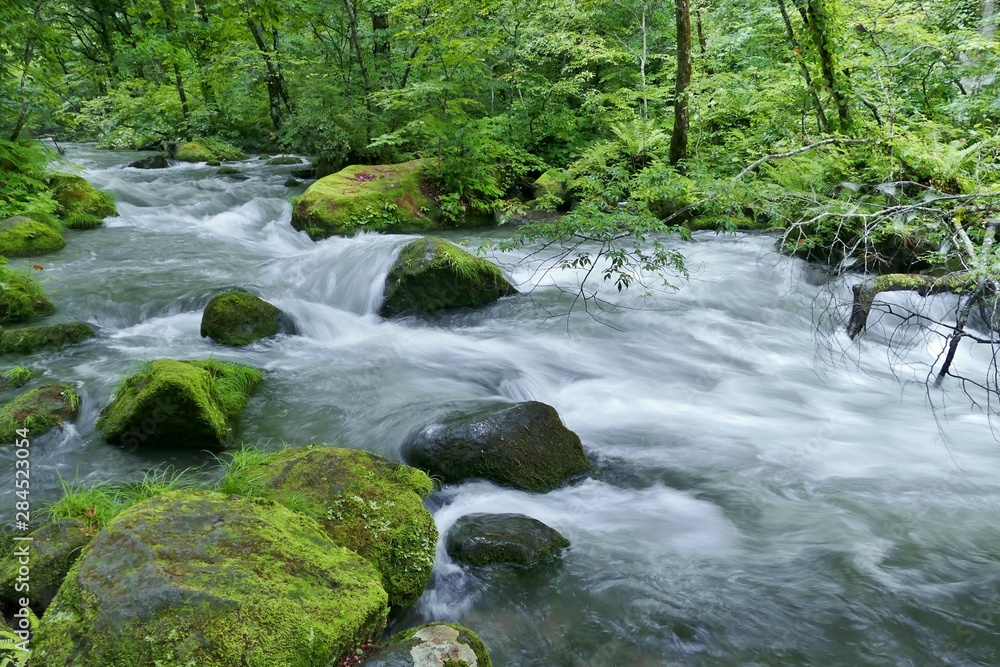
(503, 539)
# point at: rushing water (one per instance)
(759, 500)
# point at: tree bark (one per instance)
(865, 292)
(821, 119)
(682, 111)
(352, 21)
(819, 25)
(277, 92)
(380, 24)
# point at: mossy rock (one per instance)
(551, 190)
(213, 163)
(432, 645)
(16, 377)
(366, 503)
(283, 160)
(198, 578)
(239, 318)
(203, 151)
(21, 236)
(151, 162)
(31, 339)
(227, 171)
(188, 404)
(503, 539)
(524, 446)
(432, 274)
(373, 198)
(21, 297)
(39, 410)
(79, 204)
(292, 183)
(51, 553)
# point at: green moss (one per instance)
(213, 163)
(21, 236)
(551, 190)
(465, 636)
(375, 198)
(204, 150)
(21, 297)
(79, 204)
(227, 171)
(179, 403)
(284, 160)
(431, 274)
(16, 377)
(39, 410)
(53, 549)
(365, 502)
(239, 318)
(31, 339)
(196, 578)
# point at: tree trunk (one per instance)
(988, 28)
(821, 119)
(277, 92)
(380, 24)
(352, 21)
(819, 25)
(682, 111)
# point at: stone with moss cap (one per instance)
(365, 502)
(374, 198)
(21, 236)
(204, 151)
(524, 446)
(432, 645)
(179, 403)
(31, 339)
(52, 551)
(199, 578)
(79, 204)
(503, 539)
(551, 190)
(432, 274)
(21, 296)
(39, 410)
(239, 318)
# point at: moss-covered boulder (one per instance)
(551, 190)
(432, 274)
(189, 404)
(21, 236)
(283, 160)
(239, 318)
(21, 297)
(151, 162)
(292, 183)
(31, 339)
(432, 645)
(213, 163)
(39, 410)
(79, 204)
(366, 503)
(204, 151)
(503, 539)
(16, 377)
(524, 446)
(198, 578)
(227, 170)
(50, 554)
(375, 198)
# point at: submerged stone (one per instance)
(503, 539)
(39, 411)
(198, 578)
(365, 502)
(431, 274)
(432, 645)
(524, 446)
(239, 318)
(31, 339)
(21, 236)
(79, 204)
(188, 404)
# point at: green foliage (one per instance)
(16, 377)
(23, 190)
(12, 646)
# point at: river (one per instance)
(767, 493)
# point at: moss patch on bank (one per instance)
(32, 339)
(79, 204)
(39, 410)
(21, 236)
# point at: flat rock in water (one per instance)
(503, 539)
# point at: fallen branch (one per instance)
(866, 291)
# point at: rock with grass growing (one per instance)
(432, 274)
(26, 340)
(21, 236)
(16, 377)
(79, 204)
(551, 190)
(432, 645)
(205, 151)
(39, 410)
(364, 502)
(283, 160)
(199, 578)
(524, 446)
(185, 404)
(482, 540)
(51, 552)
(239, 318)
(21, 296)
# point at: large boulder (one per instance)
(432, 274)
(21, 297)
(432, 645)
(50, 554)
(524, 446)
(21, 236)
(374, 198)
(239, 318)
(179, 403)
(205, 151)
(30, 339)
(198, 578)
(78, 203)
(503, 539)
(151, 162)
(39, 411)
(366, 503)
(551, 190)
